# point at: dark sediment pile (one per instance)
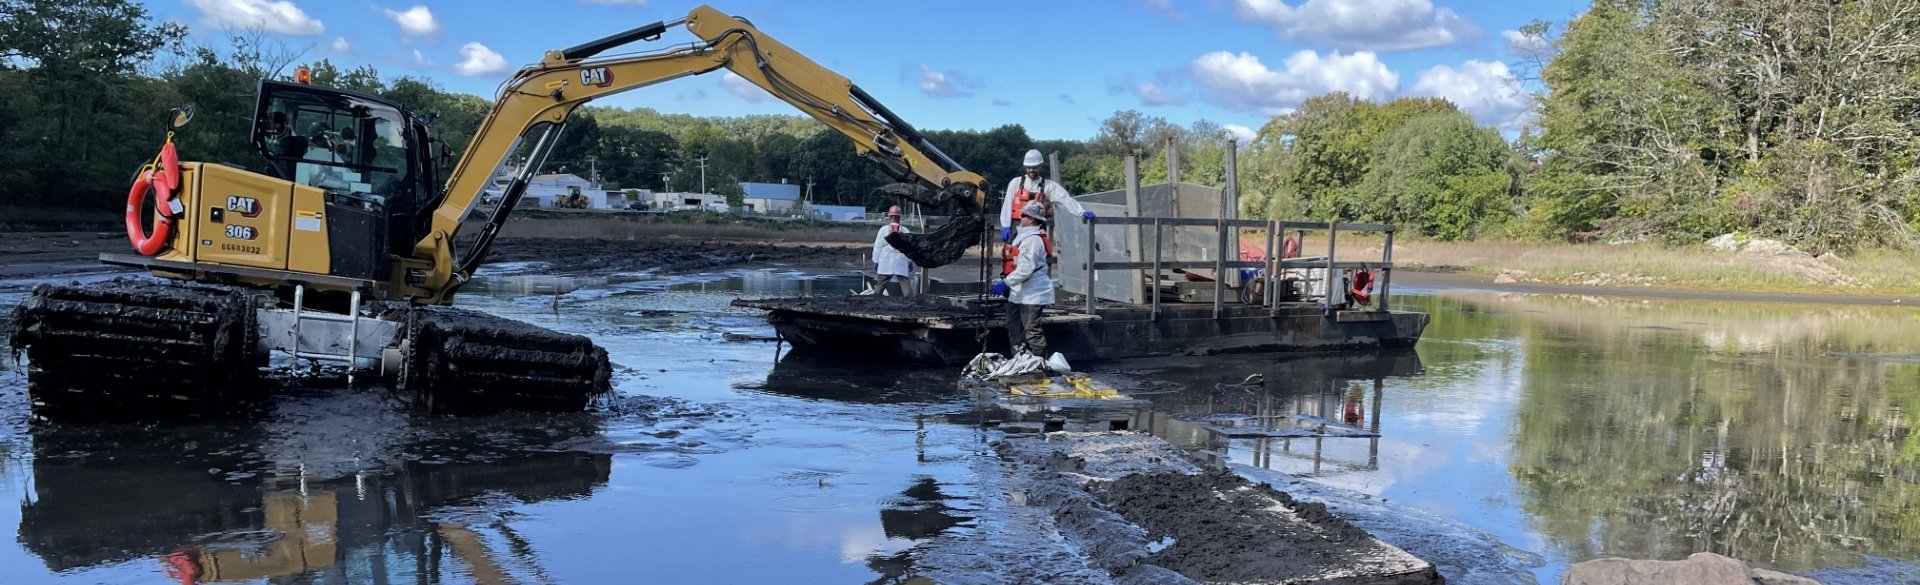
(1224, 528)
(1136, 508)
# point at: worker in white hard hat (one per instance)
(1032, 187)
(888, 262)
(1028, 284)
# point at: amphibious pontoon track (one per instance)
(137, 349)
(466, 361)
(130, 349)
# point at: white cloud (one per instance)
(1523, 43)
(1487, 90)
(945, 84)
(269, 15)
(340, 45)
(1240, 133)
(1242, 82)
(420, 59)
(1376, 25)
(477, 59)
(414, 22)
(743, 88)
(1152, 94)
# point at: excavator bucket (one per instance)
(942, 246)
(950, 241)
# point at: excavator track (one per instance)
(131, 349)
(460, 361)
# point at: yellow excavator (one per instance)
(345, 252)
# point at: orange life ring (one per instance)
(1362, 288)
(162, 182)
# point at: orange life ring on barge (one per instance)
(1362, 291)
(162, 182)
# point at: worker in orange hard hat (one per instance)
(887, 261)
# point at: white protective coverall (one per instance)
(887, 260)
(1029, 291)
(1056, 196)
(1030, 283)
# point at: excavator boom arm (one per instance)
(546, 93)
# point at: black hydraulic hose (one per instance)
(508, 199)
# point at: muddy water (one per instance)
(1524, 433)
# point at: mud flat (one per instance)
(605, 256)
(1129, 508)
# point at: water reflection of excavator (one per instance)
(202, 529)
(344, 250)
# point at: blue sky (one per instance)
(1056, 68)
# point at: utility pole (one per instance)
(703, 174)
(808, 197)
(666, 182)
(593, 170)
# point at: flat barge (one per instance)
(1165, 269)
(951, 329)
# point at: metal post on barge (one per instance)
(1090, 289)
(1333, 232)
(1154, 315)
(1228, 197)
(1386, 268)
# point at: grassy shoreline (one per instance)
(1866, 273)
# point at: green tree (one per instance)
(1312, 160)
(86, 117)
(1441, 174)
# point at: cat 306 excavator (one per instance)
(345, 251)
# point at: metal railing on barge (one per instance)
(1273, 265)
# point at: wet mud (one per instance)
(945, 245)
(586, 256)
(1221, 530)
(1138, 510)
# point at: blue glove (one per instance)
(999, 289)
(1006, 235)
(1087, 214)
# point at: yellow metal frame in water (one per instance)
(1082, 387)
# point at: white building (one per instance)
(546, 190)
(687, 201)
(765, 205)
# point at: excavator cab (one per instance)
(368, 156)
